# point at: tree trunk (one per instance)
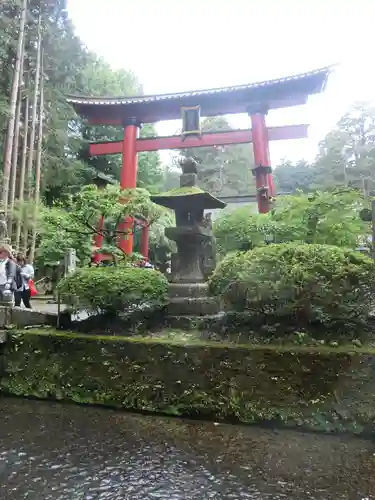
(13, 173)
(30, 158)
(38, 165)
(21, 186)
(12, 108)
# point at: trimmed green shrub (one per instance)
(311, 282)
(113, 289)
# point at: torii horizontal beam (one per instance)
(207, 139)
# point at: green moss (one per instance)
(181, 338)
(182, 191)
(316, 388)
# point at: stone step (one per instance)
(192, 290)
(45, 298)
(199, 306)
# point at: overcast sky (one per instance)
(175, 45)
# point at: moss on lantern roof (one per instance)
(182, 191)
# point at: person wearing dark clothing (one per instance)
(23, 291)
(8, 273)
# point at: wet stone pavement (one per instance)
(53, 451)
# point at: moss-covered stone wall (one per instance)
(312, 388)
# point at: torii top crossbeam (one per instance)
(279, 93)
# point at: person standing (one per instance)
(8, 272)
(23, 292)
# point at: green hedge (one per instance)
(316, 389)
(310, 282)
(113, 289)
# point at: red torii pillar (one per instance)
(262, 170)
(144, 241)
(128, 180)
(128, 177)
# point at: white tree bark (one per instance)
(30, 158)
(12, 107)
(15, 156)
(21, 186)
(38, 165)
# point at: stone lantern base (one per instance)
(191, 299)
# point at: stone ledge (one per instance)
(291, 386)
(191, 290)
(198, 306)
(190, 323)
(26, 317)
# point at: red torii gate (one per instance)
(255, 99)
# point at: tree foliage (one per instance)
(346, 157)
(54, 241)
(78, 219)
(330, 217)
(290, 177)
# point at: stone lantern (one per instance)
(196, 249)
